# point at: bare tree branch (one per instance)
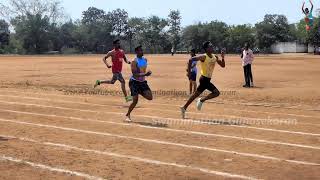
(50, 8)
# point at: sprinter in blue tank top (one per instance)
(192, 72)
(138, 84)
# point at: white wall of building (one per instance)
(290, 47)
(310, 48)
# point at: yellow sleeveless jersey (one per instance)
(208, 65)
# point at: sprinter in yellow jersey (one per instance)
(207, 62)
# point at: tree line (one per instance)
(36, 27)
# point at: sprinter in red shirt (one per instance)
(117, 56)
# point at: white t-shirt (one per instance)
(247, 57)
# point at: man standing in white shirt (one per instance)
(247, 59)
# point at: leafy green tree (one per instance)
(93, 34)
(174, 22)
(32, 31)
(34, 23)
(274, 28)
(238, 36)
(191, 37)
(119, 20)
(93, 15)
(313, 36)
(215, 31)
(4, 34)
(301, 32)
(154, 32)
(51, 9)
(65, 34)
(134, 30)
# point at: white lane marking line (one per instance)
(172, 130)
(152, 141)
(93, 104)
(251, 111)
(241, 110)
(76, 118)
(168, 119)
(56, 107)
(282, 131)
(191, 132)
(237, 126)
(219, 135)
(264, 112)
(216, 102)
(45, 167)
(136, 158)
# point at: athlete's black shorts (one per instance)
(205, 84)
(137, 87)
(117, 77)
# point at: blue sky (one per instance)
(192, 11)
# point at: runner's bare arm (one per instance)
(201, 58)
(109, 54)
(126, 60)
(221, 62)
(311, 6)
(189, 67)
(192, 66)
(303, 8)
(149, 72)
(251, 55)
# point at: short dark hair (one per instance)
(116, 41)
(137, 48)
(193, 51)
(206, 45)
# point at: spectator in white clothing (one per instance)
(247, 59)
